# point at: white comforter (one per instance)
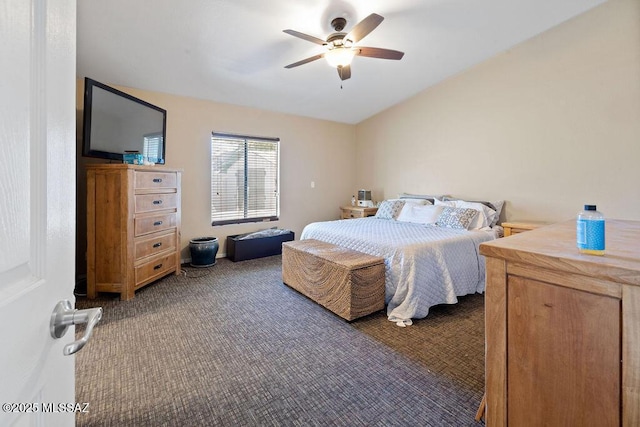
(425, 265)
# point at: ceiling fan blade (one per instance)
(304, 61)
(376, 52)
(344, 72)
(364, 27)
(305, 37)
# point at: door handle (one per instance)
(64, 315)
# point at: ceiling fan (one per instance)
(341, 47)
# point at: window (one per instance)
(152, 147)
(244, 179)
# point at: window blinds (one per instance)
(244, 179)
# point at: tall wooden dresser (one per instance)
(133, 227)
(563, 329)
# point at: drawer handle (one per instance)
(157, 202)
(157, 245)
(157, 267)
(157, 223)
(157, 179)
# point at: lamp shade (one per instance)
(339, 56)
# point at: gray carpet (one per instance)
(232, 346)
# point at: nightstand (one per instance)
(515, 227)
(348, 212)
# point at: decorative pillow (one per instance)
(495, 205)
(390, 209)
(459, 218)
(420, 214)
(486, 217)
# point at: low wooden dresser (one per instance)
(133, 227)
(563, 329)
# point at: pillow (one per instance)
(420, 214)
(390, 209)
(459, 218)
(427, 197)
(450, 203)
(453, 199)
(487, 216)
(499, 204)
(414, 201)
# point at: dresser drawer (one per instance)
(154, 268)
(154, 244)
(357, 212)
(155, 202)
(348, 213)
(152, 223)
(147, 180)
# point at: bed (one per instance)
(426, 262)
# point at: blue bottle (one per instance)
(590, 231)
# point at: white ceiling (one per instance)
(234, 51)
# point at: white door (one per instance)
(37, 207)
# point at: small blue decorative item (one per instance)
(133, 158)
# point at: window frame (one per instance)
(244, 215)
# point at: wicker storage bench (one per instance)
(347, 282)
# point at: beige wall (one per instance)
(310, 150)
(550, 125)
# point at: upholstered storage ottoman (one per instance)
(347, 282)
(242, 250)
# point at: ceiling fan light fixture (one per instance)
(340, 47)
(339, 56)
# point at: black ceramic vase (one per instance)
(203, 251)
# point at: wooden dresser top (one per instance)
(121, 166)
(554, 247)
